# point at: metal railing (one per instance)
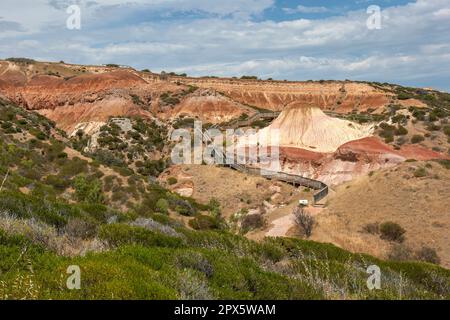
(272, 175)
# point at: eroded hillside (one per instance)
(70, 94)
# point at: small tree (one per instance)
(304, 221)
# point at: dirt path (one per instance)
(279, 221)
(281, 226)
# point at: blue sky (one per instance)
(281, 39)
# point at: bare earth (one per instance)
(233, 189)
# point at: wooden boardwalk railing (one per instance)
(296, 180)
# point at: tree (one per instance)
(304, 221)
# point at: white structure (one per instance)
(303, 203)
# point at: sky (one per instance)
(279, 39)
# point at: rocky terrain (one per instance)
(277, 95)
(310, 129)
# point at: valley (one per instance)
(88, 177)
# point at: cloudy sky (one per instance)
(281, 39)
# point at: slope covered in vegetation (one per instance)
(59, 208)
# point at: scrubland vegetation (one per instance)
(59, 209)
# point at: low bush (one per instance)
(122, 234)
(172, 180)
(445, 163)
(158, 226)
(372, 228)
(446, 130)
(196, 261)
(24, 206)
(59, 183)
(400, 252)
(162, 205)
(401, 131)
(74, 167)
(88, 191)
(417, 138)
(251, 222)
(428, 254)
(392, 231)
(81, 228)
(420, 172)
(204, 222)
(184, 207)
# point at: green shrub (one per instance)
(74, 167)
(97, 211)
(433, 127)
(181, 206)
(28, 206)
(252, 221)
(392, 231)
(400, 252)
(204, 222)
(196, 261)
(162, 205)
(123, 171)
(169, 99)
(152, 167)
(88, 191)
(417, 138)
(428, 254)
(420, 172)
(447, 130)
(444, 162)
(399, 118)
(389, 138)
(404, 96)
(59, 183)
(401, 131)
(21, 60)
(136, 99)
(419, 114)
(172, 180)
(108, 158)
(81, 228)
(122, 234)
(183, 123)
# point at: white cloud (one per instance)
(442, 13)
(305, 9)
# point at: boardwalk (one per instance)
(296, 180)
